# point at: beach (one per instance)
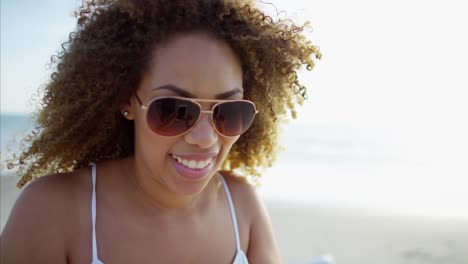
(353, 235)
(306, 231)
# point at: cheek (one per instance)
(228, 142)
(149, 144)
(226, 147)
(144, 136)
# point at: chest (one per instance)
(208, 238)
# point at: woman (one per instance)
(156, 114)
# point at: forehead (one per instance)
(195, 62)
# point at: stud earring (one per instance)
(125, 113)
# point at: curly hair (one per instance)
(100, 66)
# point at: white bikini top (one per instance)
(240, 257)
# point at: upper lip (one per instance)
(197, 156)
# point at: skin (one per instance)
(145, 210)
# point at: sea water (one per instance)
(14, 128)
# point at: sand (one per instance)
(363, 236)
(351, 235)
(8, 195)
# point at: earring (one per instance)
(125, 113)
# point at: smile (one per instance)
(193, 164)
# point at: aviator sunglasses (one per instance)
(174, 116)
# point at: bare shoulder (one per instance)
(44, 198)
(262, 247)
(40, 219)
(241, 189)
(245, 197)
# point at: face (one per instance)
(193, 66)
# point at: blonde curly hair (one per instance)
(100, 67)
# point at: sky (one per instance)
(384, 62)
(393, 69)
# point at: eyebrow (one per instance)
(183, 93)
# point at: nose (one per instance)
(203, 134)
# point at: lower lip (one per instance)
(192, 174)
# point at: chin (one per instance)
(189, 188)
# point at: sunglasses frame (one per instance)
(217, 102)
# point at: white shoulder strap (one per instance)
(233, 212)
(93, 216)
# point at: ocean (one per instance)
(359, 167)
(13, 128)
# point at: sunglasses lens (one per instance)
(233, 118)
(172, 116)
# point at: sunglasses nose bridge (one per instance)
(206, 112)
(210, 116)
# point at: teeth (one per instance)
(200, 164)
(192, 164)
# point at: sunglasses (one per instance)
(174, 116)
